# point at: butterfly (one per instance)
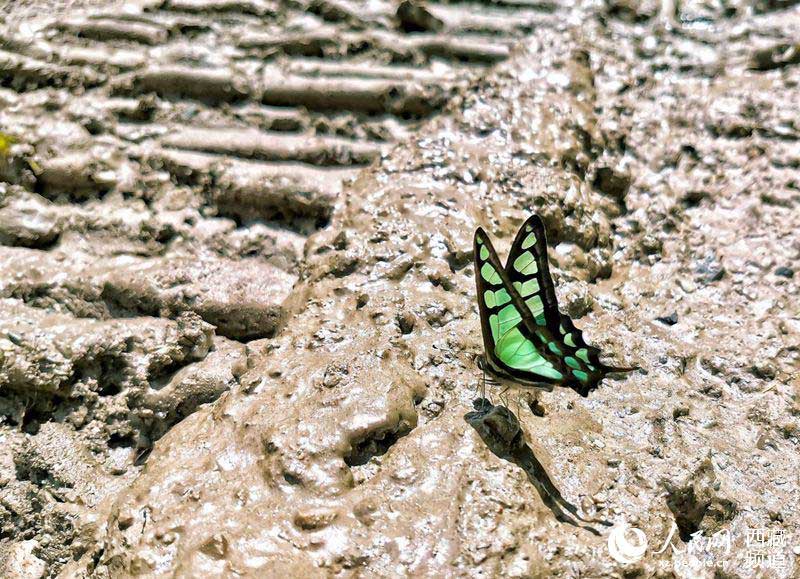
(526, 339)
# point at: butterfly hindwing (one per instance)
(573, 337)
(510, 345)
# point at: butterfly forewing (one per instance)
(529, 272)
(512, 344)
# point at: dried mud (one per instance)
(237, 314)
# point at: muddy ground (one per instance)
(238, 324)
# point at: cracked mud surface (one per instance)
(237, 314)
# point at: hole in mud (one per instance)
(374, 444)
(110, 388)
(31, 427)
(107, 370)
(687, 512)
(693, 512)
(116, 440)
(33, 420)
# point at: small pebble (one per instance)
(406, 322)
(764, 369)
(340, 241)
(709, 270)
(313, 519)
(669, 320)
(765, 441)
(680, 411)
(536, 408)
(784, 271)
(651, 244)
(434, 407)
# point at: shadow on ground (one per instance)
(499, 429)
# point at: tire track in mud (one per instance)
(171, 159)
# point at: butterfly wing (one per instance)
(510, 345)
(529, 271)
(531, 277)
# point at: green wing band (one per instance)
(530, 239)
(525, 264)
(527, 288)
(582, 376)
(494, 299)
(490, 275)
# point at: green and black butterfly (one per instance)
(526, 339)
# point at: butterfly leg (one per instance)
(483, 384)
(503, 401)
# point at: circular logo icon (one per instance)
(626, 544)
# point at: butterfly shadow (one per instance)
(499, 429)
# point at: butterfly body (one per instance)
(526, 339)
(503, 378)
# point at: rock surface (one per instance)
(237, 318)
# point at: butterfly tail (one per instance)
(584, 388)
